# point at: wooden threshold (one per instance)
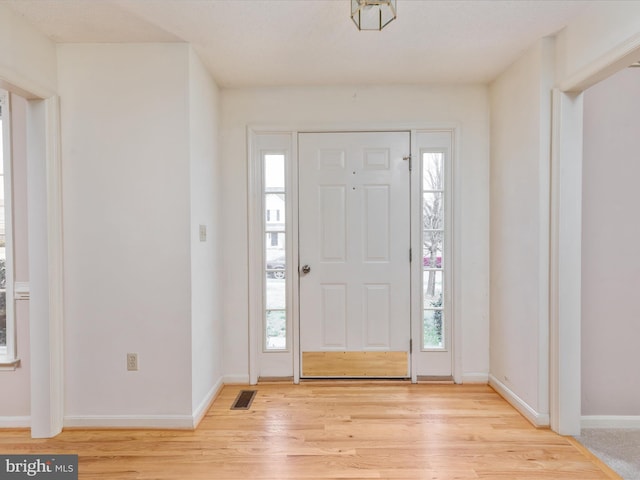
(275, 379)
(434, 379)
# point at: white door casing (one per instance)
(426, 361)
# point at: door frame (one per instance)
(289, 135)
(45, 252)
(565, 317)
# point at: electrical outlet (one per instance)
(132, 361)
(203, 233)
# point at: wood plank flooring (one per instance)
(323, 430)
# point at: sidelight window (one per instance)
(433, 258)
(275, 315)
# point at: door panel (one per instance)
(333, 316)
(354, 219)
(333, 228)
(378, 325)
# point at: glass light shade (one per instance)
(372, 14)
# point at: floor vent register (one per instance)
(244, 399)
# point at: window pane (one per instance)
(432, 328)
(273, 173)
(274, 204)
(276, 330)
(432, 171)
(433, 184)
(275, 250)
(432, 249)
(276, 297)
(432, 287)
(432, 211)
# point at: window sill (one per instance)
(6, 365)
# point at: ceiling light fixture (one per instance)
(373, 14)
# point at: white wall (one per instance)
(27, 58)
(127, 230)
(345, 107)
(206, 286)
(520, 145)
(610, 259)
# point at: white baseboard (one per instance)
(236, 380)
(15, 422)
(475, 378)
(202, 409)
(176, 422)
(610, 421)
(536, 418)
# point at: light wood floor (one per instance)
(332, 431)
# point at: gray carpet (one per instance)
(617, 447)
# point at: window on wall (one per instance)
(433, 241)
(7, 330)
(275, 314)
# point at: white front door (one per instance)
(354, 243)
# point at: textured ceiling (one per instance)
(314, 42)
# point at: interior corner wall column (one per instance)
(45, 267)
(566, 263)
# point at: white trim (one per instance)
(294, 286)
(536, 418)
(205, 404)
(55, 261)
(45, 268)
(565, 271)
(254, 256)
(177, 422)
(354, 127)
(474, 377)
(23, 86)
(15, 422)
(613, 61)
(237, 380)
(610, 421)
(456, 253)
